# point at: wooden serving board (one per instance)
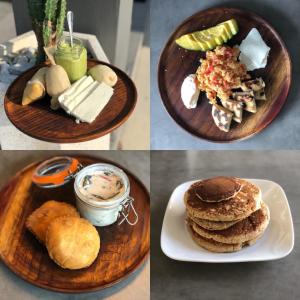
(39, 121)
(123, 248)
(176, 63)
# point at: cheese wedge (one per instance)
(88, 109)
(71, 95)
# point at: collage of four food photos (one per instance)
(107, 104)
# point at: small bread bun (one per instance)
(40, 219)
(73, 243)
(103, 73)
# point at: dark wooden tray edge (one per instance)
(93, 135)
(161, 89)
(67, 291)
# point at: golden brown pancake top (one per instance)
(244, 200)
(216, 189)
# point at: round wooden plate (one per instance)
(39, 121)
(176, 63)
(123, 248)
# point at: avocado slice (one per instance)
(209, 38)
(220, 34)
(232, 26)
(189, 42)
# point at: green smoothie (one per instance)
(72, 59)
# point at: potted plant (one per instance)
(48, 18)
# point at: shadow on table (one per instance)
(288, 31)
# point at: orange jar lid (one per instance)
(55, 171)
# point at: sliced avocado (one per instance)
(227, 31)
(232, 25)
(219, 34)
(209, 38)
(188, 42)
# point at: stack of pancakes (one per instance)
(224, 214)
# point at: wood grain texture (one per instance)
(176, 63)
(39, 121)
(123, 248)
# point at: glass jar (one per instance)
(103, 212)
(58, 171)
(72, 59)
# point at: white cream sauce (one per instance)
(102, 186)
(190, 92)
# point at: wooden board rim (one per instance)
(85, 137)
(135, 268)
(171, 39)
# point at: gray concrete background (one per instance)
(284, 132)
(136, 286)
(172, 279)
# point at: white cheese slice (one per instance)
(81, 97)
(71, 105)
(78, 90)
(254, 51)
(93, 104)
(71, 90)
(71, 94)
(190, 92)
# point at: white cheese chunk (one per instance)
(88, 109)
(190, 92)
(82, 96)
(71, 96)
(254, 51)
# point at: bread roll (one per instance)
(73, 243)
(103, 73)
(40, 219)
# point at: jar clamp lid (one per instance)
(56, 171)
(59, 170)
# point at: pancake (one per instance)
(212, 225)
(213, 246)
(40, 219)
(216, 189)
(243, 204)
(243, 231)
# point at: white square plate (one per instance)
(277, 241)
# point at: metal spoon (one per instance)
(70, 16)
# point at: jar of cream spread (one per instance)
(102, 190)
(102, 193)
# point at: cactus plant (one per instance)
(48, 17)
